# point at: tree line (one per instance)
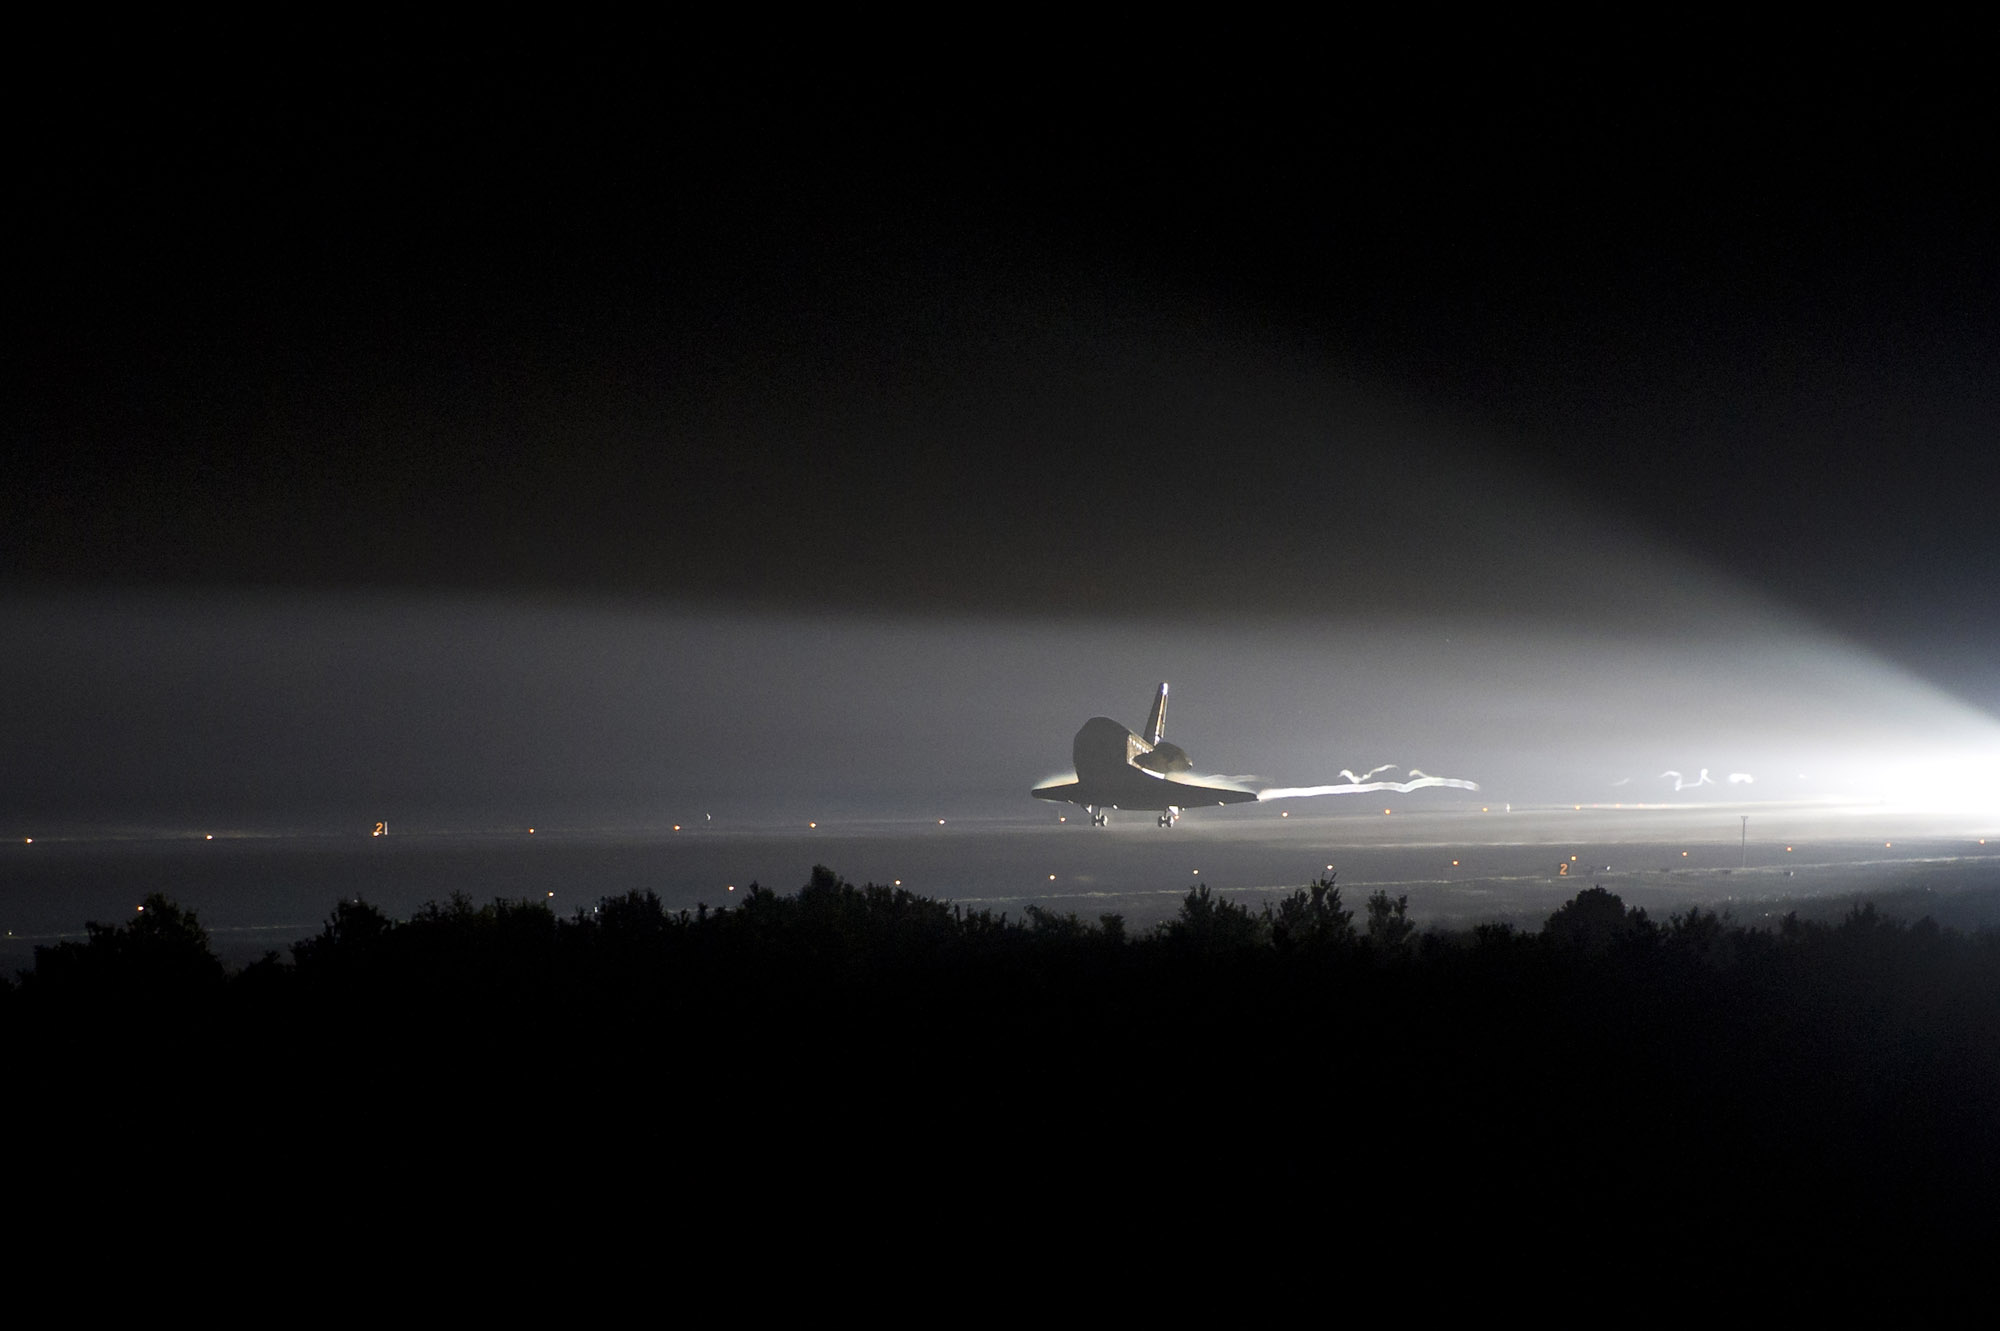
(1822, 1069)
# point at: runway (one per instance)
(261, 890)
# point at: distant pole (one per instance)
(1746, 842)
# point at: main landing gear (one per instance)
(1102, 817)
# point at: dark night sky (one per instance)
(488, 323)
(1415, 341)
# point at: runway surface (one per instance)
(261, 891)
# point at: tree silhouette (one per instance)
(1064, 926)
(161, 954)
(353, 934)
(1209, 924)
(635, 916)
(1311, 919)
(1389, 927)
(1594, 922)
(1703, 936)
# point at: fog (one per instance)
(225, 711)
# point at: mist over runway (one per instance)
(213, 712)
(899, 749)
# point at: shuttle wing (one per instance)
(1209, 790)
(1137, 789)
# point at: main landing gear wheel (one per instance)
(1098, 818)
(1170, 817)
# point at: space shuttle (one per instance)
(1118, 769)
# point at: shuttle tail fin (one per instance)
(1156, 720)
